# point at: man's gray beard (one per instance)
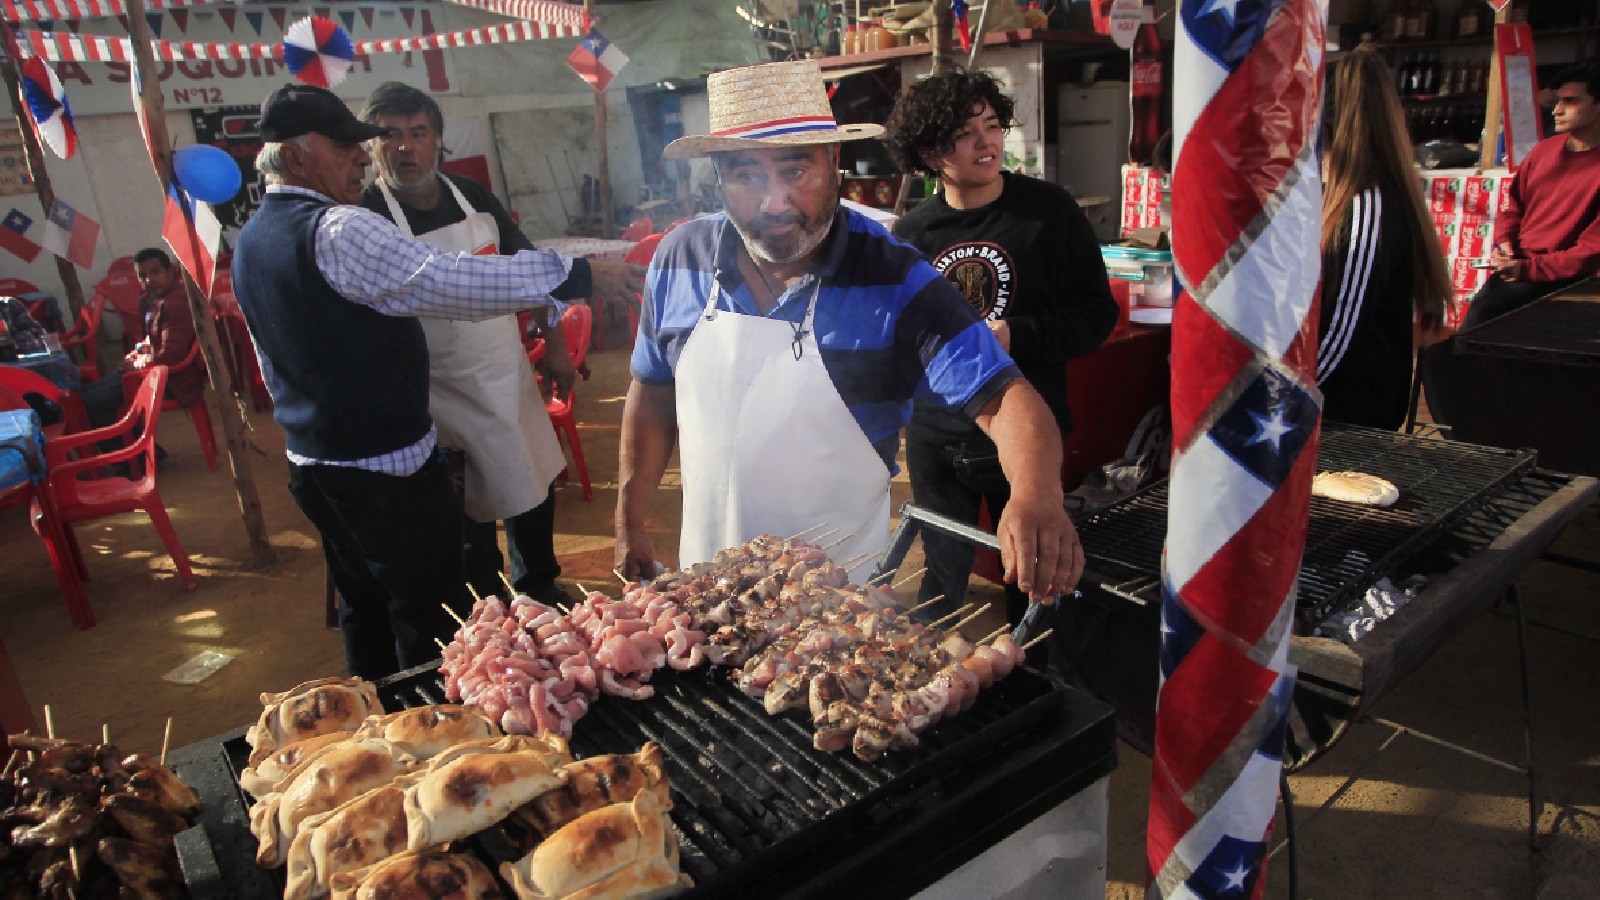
(808, 242)
(394, 182)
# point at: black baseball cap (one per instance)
(297, 109)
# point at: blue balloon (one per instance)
(206, 172)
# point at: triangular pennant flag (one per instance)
(280, 16)
(410, 15)
(72, 25)
(366, 15)
(321, 11)
(229, 17)
(155, 24)
(254, 18)
(123, 21)
(180, 18)
(47, 25)
(349, 17)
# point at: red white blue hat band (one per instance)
(776, 104)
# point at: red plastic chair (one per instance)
(674, 224)
(74, 419)
(576, 323)
(47, 524)
(16, 287)
(198, 412)
(638, 229)
(640, 255)
(78, 500)
(122, 290)
(82, 336)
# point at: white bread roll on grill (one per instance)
(1355, 487)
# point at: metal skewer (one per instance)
(454, 615)
(925, 603)
(1046, 633)
(965, 608)
(909, 577)
(976, 613)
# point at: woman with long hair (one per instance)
(1384, 285)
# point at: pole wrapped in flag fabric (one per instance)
(48, 108)
(958, 12)
(1247, 214)
(193, 232)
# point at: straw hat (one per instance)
(776, 104)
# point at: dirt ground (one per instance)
(1423, 822)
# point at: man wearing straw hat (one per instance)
(782, 344)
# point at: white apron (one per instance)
(766, 444)
(481, 390)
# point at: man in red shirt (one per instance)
(1548, 237)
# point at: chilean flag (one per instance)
(71, 235)
(596, 60)
(194, 234)
(958, 11)
(47, 107)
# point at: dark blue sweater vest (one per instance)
(347, 381)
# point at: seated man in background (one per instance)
(26, 333)
(1548, 237)
(169, 338)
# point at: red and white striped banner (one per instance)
(548, 12)
(62, 47)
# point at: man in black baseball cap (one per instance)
(332, 293)
(297, 109)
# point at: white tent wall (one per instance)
(524, 89)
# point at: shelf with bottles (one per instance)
(1441, 23)
(1432, 75)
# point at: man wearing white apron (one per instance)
(482, 393)
(783, 341)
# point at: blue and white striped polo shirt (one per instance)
(891, 329)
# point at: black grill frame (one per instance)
(1441, 483)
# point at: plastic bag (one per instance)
(1112, 483)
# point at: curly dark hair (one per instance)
(929, 112)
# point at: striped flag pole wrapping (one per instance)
(1247, 213)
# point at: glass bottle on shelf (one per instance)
(1393, 25)
(1423, 17)
(1474, 18)
(1430, 75)
(1403, 75)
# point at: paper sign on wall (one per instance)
(1514, 45)
(1126, 17)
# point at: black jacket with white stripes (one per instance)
(1364, 351)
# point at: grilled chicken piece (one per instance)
(143, 819)
(145, 872)
(69, 822)
(309, 709)
(622, 850)
(162, 786)
(420, 875)
(836, 727)
(596, 782)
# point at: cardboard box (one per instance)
(1474, 237)
(1463, 277)
(1443, 194)
(1482, 195)
(1446, 227)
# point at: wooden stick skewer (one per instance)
(838, 542)
(909, 577)
(105, 733)
(807, 531)
(49, 723)
(819, 537)
(582, 590)
(993, 634)
(77, 867)
(511, 592)
(965, 608)
(1047, 633)
(975, 613)
(440, 643)
(454, 615)
(856, 561)
(474, 593)
(884, 577)
(925, 604)
(166, 738)
(565, 610)
(618, 572)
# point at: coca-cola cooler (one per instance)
(1092, 144)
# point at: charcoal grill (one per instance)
(1349, 548)
(757, 811)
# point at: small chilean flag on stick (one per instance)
(596, 60)
(71, 235)
(47, 107)
(192, 231)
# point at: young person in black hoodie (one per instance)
(1027, 259)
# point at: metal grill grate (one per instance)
(759, 812)
(1348, 547)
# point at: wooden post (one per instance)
(601, 151)
(941, 37)
(35, 154)
(228, 409)
(1496, 101)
